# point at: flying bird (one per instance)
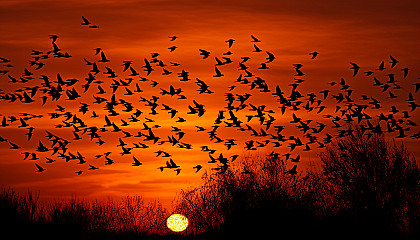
(173, 38)
(230, 42)
(204, 53)
(314, 54)
(103, 58)
(136, 162)
(393, 61)
(355, 68)
(256, 49)
(39, 168)
(85, 21)
(254, 39)
(218, 73)
(197, 167)
(270, 57)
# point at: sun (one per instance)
(177, 222)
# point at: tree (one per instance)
(375, 180)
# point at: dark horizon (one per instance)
(57, 41)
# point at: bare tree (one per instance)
(376, 180)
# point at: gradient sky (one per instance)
(365, 32)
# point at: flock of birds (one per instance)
(266, 131)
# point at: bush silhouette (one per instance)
(375, 181)
(257, 194)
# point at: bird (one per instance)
(381, 66)
(314, 54)
(405, 71)
(218, 73)
(91, 167)
(136, 162)
(355, 68)
(254, 39)
(34, 157)
(256, 49)
(204, 53)
(13, 145)
(230, 42)
(147, 66)
(103, 58)
(39, 168)
(393, 61)
(85, 21)
(171, 49)
(270, 57)
(197, 167)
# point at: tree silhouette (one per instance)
(257, 197)
(374, 180)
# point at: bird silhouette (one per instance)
(230, 42)
(39, 168)
(173, 38)
(197, 167)
(171, 49)
(405, 71)
(103, 58)
(218, 73)
(85, 21)
(254, 39)
(91, 167)
(256, 49)
(314, 54)
(355, 68)
(136, 162)
(381, 66)
(204, 53)
(270, 57)
(393, 61)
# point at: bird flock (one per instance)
(317, 117)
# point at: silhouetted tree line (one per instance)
(367, 187)
(22, 215)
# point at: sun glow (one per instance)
(177, 222)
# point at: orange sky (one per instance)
(365, 32)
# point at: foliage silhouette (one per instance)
(375, 181)
(258, 194)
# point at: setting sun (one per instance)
(177, 222)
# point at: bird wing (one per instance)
(136, 160)
(103, 56)
(218, 73)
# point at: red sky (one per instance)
(364, 32)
